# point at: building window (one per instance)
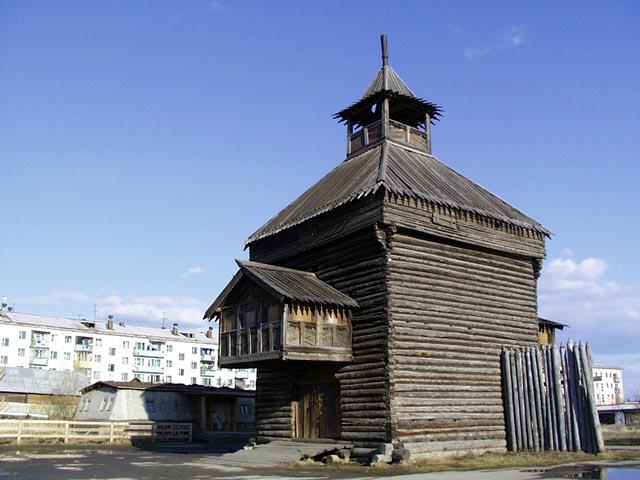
(112, 367)
(194, 365)
(169, 363)
(112, 351)
(4, 359)
(125, 377)
(109, 404)
(22, 334)
(125, 344)
(244, 409)
(169, 348)
(5, 342)
(98, 342)
(181, 371)
(139, 362)
(96, 375)
(67, 339)
(21, 352)
(138, 376)
(206, 381)
(54, 355)
(153, 362)
(97, 358)
(125, 360)
(181, 356)
(168, 378)
(194, 380)
(103, 404)
(194, 350)
(67, 355)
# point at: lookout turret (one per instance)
(389, 109)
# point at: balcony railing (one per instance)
(207, 372)
(41, 362)
(82, 364)
(143, 352)
(207, 358)
(83, 347)
(39, 344)
(148, 369)
(398, 132)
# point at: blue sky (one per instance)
(141, 143)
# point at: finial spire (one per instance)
(385, 55)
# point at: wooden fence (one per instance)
(94, 431)
(549, 399)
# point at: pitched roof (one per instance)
(398, 170)
(387, 83)
(170, 387)
(287, 283)
(551, 323)
(388, 80)
(43, 382)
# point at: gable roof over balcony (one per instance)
(286, 284)
(402, 171)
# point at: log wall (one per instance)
(355, 265)
(452, 308)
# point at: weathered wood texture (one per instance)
(462, 226)
(355, 265)
(549, 399)
(451, 311)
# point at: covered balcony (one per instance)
(269, 313)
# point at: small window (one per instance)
(169, 363)
(125, 360)
(168, 378)
(96, 375)
(181, 356)
(22, 334)
(194, 365)
(98, 358)
(21, 352)
(125, 344)
(98, 342)
(125, 377)
(181, 372)
(5, 342)
(67, 339)
(112, 351)
(109, 404)
(194, 350)
(67, 355)
(112, 367)
(194, 380)
(54, 355)
(103, 404)
(4, 359)
(169, 348)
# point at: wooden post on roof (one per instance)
(349, 133)
(427, 131)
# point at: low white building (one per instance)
(112, 351)
(607, 384)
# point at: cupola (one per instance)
(389, 110)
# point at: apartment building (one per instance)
(115, 351)
(607, 383)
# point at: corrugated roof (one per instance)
(290, 284)
(43, 321)
(43, 382)
(398, 170)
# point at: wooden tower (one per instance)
(376, 304)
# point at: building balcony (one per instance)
(39, 344)
(207, 358)
(83, 347)
(147, 369)
(39, 362)
(82, 364)
(141, 352)
(207, 372)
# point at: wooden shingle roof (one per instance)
(402, 171)
(284, 283)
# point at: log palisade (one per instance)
(443, 273)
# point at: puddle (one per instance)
(594, 472)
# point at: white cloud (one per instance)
(578, 293)
(512, 38)
(150, 310)
(54, 298)
(192, 271)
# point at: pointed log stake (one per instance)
(588, 365)
(558, 392)
(516, 401)
(508, 399)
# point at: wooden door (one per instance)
(316, 410)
